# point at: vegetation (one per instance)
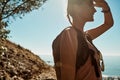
(11, 9)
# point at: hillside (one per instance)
(18, 63)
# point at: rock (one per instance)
(18, 63)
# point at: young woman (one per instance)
(75, 57)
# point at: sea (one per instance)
(112, 64)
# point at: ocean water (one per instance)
(112, 64)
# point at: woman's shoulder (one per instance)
(69, 29)
(66, 32)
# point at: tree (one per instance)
(10, 9)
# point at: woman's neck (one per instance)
(79, 25)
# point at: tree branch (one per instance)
(12, 11)
(4, 6)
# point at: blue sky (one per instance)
(38, 29)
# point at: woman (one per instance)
(75, 57)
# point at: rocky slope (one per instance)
(18, 63)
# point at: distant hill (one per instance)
(19, 63)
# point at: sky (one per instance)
(37, 30)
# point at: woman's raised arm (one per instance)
(108, 20)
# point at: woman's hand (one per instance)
(102, 4)
(108, 20)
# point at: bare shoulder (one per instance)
(70, 30)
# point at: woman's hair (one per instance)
(70, 10)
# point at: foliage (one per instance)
(10, 9)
